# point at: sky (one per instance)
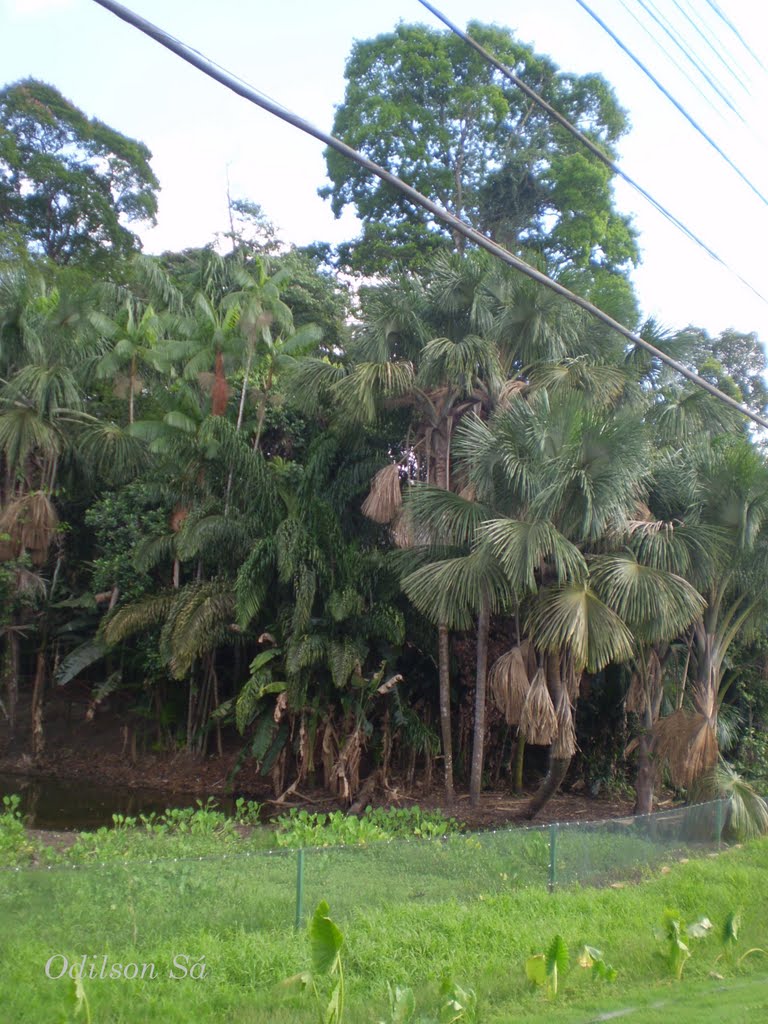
(205, 139)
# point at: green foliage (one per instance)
(546, 969)
(303, 828)
(421, 104)
(672, 932)
(68, 181)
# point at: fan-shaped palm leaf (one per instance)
(656, 605)
(572, 618)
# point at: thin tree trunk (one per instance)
(644, 784)
(132, 390)
(558, 768)
(481, 676)
(444, 663)
(38, 690)
(263, 409)
(12, 678)
(517, 777)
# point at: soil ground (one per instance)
(98, 751)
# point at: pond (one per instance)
(58, 804)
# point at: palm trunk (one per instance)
(556, 772)
(563, 747)
(478, 742)
(38, 690)
(444, 664)
(263, 409)
(12, 677)
(517, 778)
(644, 784)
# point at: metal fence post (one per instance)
(299, 888)
(552, 857)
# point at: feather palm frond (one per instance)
(138, 616)
(522, 547)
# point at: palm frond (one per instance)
(571, 618)
(452, 591)
(656, 605)
(538, 718)
(685, 742)
(385, 497)
(523, 547)
(509, 685)
(137, 617)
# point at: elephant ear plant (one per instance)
(672, 933)
(325, 940)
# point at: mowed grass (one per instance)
(472, 908)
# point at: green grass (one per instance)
(472, 907)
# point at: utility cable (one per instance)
(455, 223)
(719, 12)
(627, 5)
(721, 56)
(593, 148)
(653, 12)
(672, 100)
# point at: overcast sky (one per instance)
(295, 52)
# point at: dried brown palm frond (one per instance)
(564, 744)
(468, 492)
(686, 743)
(408, 534)
(31, 522)
(385, 498)
(509, 685)
(644, 689)
(345, 774)
(510, 390)
(538, 720)
(635, 699)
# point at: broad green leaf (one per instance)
(536, 969)
(402, 1004)
(325, 941)
(557, 956)
(731, 928)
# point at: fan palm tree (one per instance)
(558, 477)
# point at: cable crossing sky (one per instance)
(239, 87)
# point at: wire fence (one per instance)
(135, 901)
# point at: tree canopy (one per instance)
(431, 110)
(69, 184)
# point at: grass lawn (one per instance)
(472, 908)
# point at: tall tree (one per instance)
(427, 107)
(68, 183)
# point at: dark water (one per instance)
(54, 804)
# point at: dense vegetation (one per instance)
(430, 519)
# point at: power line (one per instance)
(719, 56)
(670, 57)
(586, 141)
(719, 12)
(672, 100)
(650, 8)
(249, 93)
